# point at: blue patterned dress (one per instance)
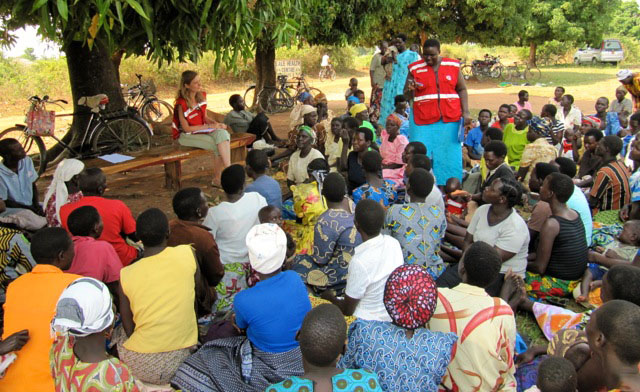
(334, 240)
(395, 86)
(402, 364)
(348, 380)
(419, 228)
(385, 195)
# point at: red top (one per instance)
(436, 100)
(95, 259)
(497, 123)
(117, 220)
(195, 116)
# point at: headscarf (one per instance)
(320, 98)
(410, 296)
(623, 74)
(394, 118)
(592, 121)
(84, 308)
(304, 96)
(354, 99)
(565, 340)
(64, 172)
(297, 114)
(306, 109)
(267, 245)
(307, 129)
(357, 108)
(540, 125)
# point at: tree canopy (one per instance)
(626, 20)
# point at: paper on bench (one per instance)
(115, 158)
(208, 130)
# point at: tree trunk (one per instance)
(116, 59)
(91, 72)
(265, 64)
(532, 54)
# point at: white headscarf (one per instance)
(64, 172)
(84, 308)
(267, 245)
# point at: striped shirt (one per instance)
(556, 127)
(611, 187)
(15, 257)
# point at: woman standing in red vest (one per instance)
(439, 102)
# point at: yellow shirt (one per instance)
(161, 291)
(482, 358)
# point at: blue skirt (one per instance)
(443, 147)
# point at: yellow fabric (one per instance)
(161, 291)
(486, 329)
(308, 205)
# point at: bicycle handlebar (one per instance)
(45, 99)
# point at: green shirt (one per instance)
(516, 141)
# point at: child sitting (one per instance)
(257, 164)
(455, 198)
(392, 149)
(556, 374)
(333, 144)
(353, 87)
(375, 188)
(322, 338)
(270, 214)
(93, 258)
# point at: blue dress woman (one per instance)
(395, 86)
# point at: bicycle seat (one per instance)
(94, 102)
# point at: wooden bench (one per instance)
(171, 156)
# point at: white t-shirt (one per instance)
(230, 222)
(372, 263)
(325, 61)
(297, 171)
(511, 235)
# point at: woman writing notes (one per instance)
(192, 127)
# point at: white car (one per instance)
(610, 51)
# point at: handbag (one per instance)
(40, 122)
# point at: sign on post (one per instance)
(290, 68)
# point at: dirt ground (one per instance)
(143, 188)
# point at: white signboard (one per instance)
(290, 68)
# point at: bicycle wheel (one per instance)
(496, 71)
(157, 111)
(122, 134)
(511, 74)
(332, 74)
(264, 101)
(467, 72)
(250, 98)
(33, 146)
(321, 75)
(532, 75)
(281, 101)
(314, 91)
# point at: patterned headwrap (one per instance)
(307, 129)
(410, 296)
(320, 98)
(84, 308)
(394, 118)
(591, 121)
(540, 125)
(357, 108)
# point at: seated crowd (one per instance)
(363, 275)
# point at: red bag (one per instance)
(41, 122)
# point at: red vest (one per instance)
(194, 116)
(436, 100)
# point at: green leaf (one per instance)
(63, 9)
(138, 8)
(119, 12)
(38, 4)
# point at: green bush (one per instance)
(342, 57)
(631, 48)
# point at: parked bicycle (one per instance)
(106, 132)
(141, 97)
(527, 73)
(276, 99)
(489, 68)
(327, 72)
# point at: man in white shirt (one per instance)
(372, 263)
(325, 61)
(570, 115)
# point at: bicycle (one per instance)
(276, 99)
(490, 67)
(529, 74)
(106, 132)
(141, 97)
(327, 73)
